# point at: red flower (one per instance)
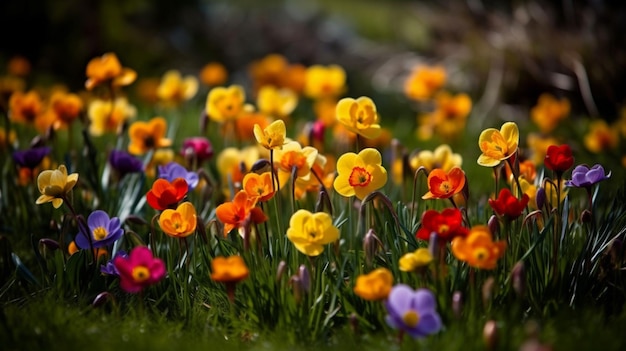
(164, 194)
(447, 225)
(559, 158)
(507, 205)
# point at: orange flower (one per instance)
(179, 223)
(268, 70)
(424, 81)
(240, 212)
(478, 248)
(108, 68)
(67, 108)
(449, 117)
(549, 112)
(164, 194)
(229, 269)
(375, 285)
(213, 73)
(601, 137)
(293, 155)
(442, 185)
(147, 135)
(225, 104)
(258, 185)
(24, 108)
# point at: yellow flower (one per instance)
(105, 116)
(324, 169)
(179, 223)
(324, 81)
(148, 135)
(600, 137)
(529, 189)
(225, 104)
(108, 68)
(498, 145)
(359, 116)
(360, 174)
(375, 285)
(213, 73)
(309, 232)
(273, 136)
(233, 164)
(175, 89)
(449, 117)
(442, 157)
(275, 102)
(293, 155)
(478, 249)
(549, 112)
(538, 145)
(54, 185)
(412, 261)
(424, 81)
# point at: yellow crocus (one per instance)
(498, 145)
(359, 116)
(54, 185)
(309, 232)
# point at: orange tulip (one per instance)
(442, 185)
(239, 212)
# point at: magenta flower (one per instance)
(102, 230)
(139, 270)
(585, 177)
(198, 147)
(174, 170)
(413, 312)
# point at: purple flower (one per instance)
(103, 231)
(31, 158)
(585, 177)
(413, 312)
(124, 162)
(174, 170)
(199, 147)
(110, 268)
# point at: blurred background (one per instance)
(501, 53)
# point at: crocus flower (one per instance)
(272, 136)
(324, 81)
(448, 119)
(258, 185)
(424, 81)
(276, 102)
(559, 158)
(213, 74)
(442, 157)
(375, 285)
(109, 267)
(124, 163)
(240, 212)
(149, 135)
(293, 155)
(173, 170)
(54, 185)
(139, 270)
(66, 107)
(179, 223)
(446, 225)
(359, 116)
(165, 194)
(230, 271)
(360, 174)
(175, 89)
(601, 137)
(507, 205)
(549, 111)
(103, 231)
(198, 147)
(25, 107)
(444, 185)
(413, 312)
(109, 116)
(413, 261)
(585, 177)
(108, 68)
(225, 104)
(478, 248)
(309, 232)
(498, 145)
(30, 158)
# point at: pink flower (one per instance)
(139, 270)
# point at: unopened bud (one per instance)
(540, 198)
(371, 245)
(354, 322)
(490, 334)
(433, 245)
(261, 166)
(518, 278)
(487, 291)
(296, 285)
(494, 225)
(457, 304)
(49, 243)
(586, 216)
(305, 278)
(280, 271)
(101, 299)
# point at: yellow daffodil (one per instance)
(225, 104)
(360, 174)
(424, 81)
(498, 145)
(442, 157)
(309, 232)
(413, 261)
(54, 185)
(275, 102)
(478, 248)
(106, 116)
(179, 223)
(175, 89)
(213, 74)
(148, 135)
(293, 155)
(359, 116)
(273, 136)
(549, 111)
(601, 137)
(108, 68)
(375, 285)
(324, 81)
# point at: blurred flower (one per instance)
(139, 270)
(147, 88)
(538, 145)
(213, 74)
(585, 177)
(508, 206)
(271, 137)
(160, 157)
(444, 185)
(448, 119)
(276, 102)
(360, 174)
(233, 164)
(199, 148)
(446, 225)
(309, 232)
(268, 70)
(31, 158)
(424, 82)
(601, 137)
(324, 168)
(551, 192)
(258, 185)
(103, 231)
(18, 66)
(109, 267)
(239, 213)
(179, 223)
(324, 82)
(225, 104)
(124, 163)
(413, 312)
(67, 108)
(413, 261)
(559, 158)
(527, 170)
(54, 185)
(230, 269)
(374, 286)
(173, 170)
(165, 194)
(294, 156)
(442, 157)
(549, 111)
(478, 248)
(145, 136)
(529, 189)
(325, 111)
(244, 124)
(498, 145)
(107, 68)
(106, 116)
(25, 107)
(175, 89)
(359, 116)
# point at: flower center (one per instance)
(140, 274)
(443, 228)
(445, 187)
(411, 318)
(292, 159)
(359, 177)
(480, 254)
(100, 233)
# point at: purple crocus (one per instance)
(585, 177)
(31, 158)
(413, 312)
(103, 231)
(109, 268)
(174, 170)
(124, 163)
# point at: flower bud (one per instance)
(101, 299)
(586, 216)
(296, 285)
(518, 278)
(540, 198)
(305, 278)
(490, 334)
(433, 245)
(49, 243)
(371, 245)
(487, 291)
(280, 271)
(457, 304)
(354, 322)
(261, 166)
(494, 225)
